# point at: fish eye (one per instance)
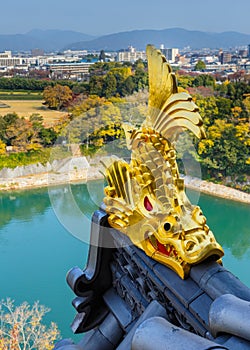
(167, 226)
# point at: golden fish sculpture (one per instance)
(145, 199)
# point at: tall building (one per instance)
(170, 54)
(248, 51)
(225, 57)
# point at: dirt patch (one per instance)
(27, 108)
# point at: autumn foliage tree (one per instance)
(97, 121)
(57, 97)
(224, 155)
(226, 149)
(2, 147)
(25, 134)
(22, 328)
(225, 152)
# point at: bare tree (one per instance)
(21, 327)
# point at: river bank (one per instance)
(92, 173)
(216, 190)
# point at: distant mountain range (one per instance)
(48, 40)
(173, 37)
(55, 40)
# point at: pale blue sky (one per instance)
(109, 16)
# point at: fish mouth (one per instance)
(193, 248)
(199, 245)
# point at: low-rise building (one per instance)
(76, 71)
(9, 61)
(131, 55)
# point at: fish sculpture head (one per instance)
(145, 199)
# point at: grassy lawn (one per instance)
(20, 95)
(27, 108)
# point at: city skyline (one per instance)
(100, 18)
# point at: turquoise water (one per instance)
(39, 242)
(36, 251)
(230, 223)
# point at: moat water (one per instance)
(45, 233)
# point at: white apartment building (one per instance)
(131, 55)
(7, 60)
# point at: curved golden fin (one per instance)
(179, 112)
(162, 82)
(119, 180)
(169, 111)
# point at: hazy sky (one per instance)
(109, 16)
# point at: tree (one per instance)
(139, 64)
(224, 107)
(21, 327)
(121, 74)
(2, 129)
(140, 79)
(247, 103)
(109, 86)
(48, 136)
(26, 134)
(184, 80)
(36, 122)
(200, 65)
(102, 56)
(57, 97)
(96, 121)
(128, 86)
(18, 134)
(2, 147)
(207, 108)
(226, 149)
(96, 85)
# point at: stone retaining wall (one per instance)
(59, 166)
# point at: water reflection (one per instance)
(22, 205)
(74, 206)
(35, 254)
